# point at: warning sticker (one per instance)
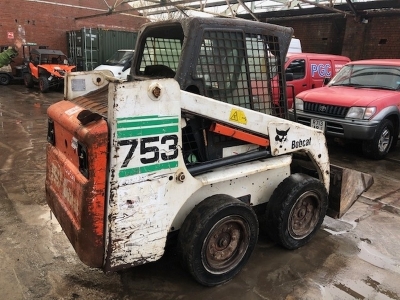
(238, 116)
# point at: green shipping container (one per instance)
(91, 47)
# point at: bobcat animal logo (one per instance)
(281, 136)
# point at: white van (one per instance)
(119, 63)
(295, 46)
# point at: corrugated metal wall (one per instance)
(90, 47)
(112, 40)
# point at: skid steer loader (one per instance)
(191, 148)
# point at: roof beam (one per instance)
(326, 7)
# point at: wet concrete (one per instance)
(356, 257)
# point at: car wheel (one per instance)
(394, 142)
(379, 146)
(28, 80)
(217, 238)
(4, 79)
(296, 210)
(43, 84)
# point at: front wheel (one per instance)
(296, 210)
(43, 84)
(217, 238)
(379, 146)
(4, 79)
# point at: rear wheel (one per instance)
(28, 80)
(296, 210)
(43, 84)
(379, 146)
(217, 238)
(4, 79)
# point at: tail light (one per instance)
(50, 132)
(83, 160)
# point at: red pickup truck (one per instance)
(362, 102)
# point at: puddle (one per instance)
(336, 226)
(374, 257)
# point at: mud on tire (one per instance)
(217, 238)
(44, 84)
(296, 210)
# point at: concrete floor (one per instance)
(356, 257)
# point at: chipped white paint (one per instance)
(80, 83)
(258, 179)
(145, 199)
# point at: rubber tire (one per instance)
(4, 79)
(192, 239)
(43, 84)
(280, 207)
(394, 142)
(28, 80)
(371, 149)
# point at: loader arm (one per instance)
(343, 185)
(284, 136)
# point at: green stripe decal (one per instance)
(146, 131)
(146, 125)
(137, 118)
(148, 122)
(148, 168)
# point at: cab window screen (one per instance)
(220, 62)
(239, 68)
(160, 54)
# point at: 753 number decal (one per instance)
(151, 149)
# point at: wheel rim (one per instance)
(226, 244)
(3, 80)
(304, 215)
(384, 140)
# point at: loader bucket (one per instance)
(345, 187)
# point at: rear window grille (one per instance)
(328, 110)
(222, 64)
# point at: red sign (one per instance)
(10, 35)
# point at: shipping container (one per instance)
(91, 47)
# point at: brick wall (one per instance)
(335, 34)
(379, 38)
(47, 24)
(317, 33)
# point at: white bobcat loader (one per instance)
(192, 147)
